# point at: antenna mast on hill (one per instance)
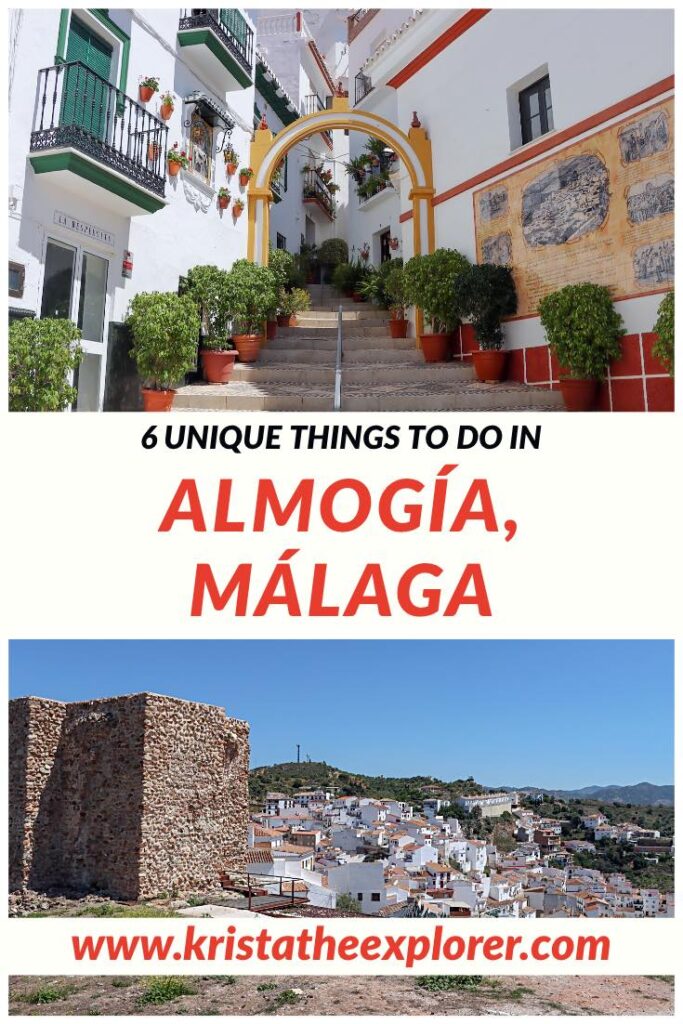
(298, 753)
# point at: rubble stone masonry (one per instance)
(134, 796)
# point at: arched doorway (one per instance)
(414, 150)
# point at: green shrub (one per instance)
(583, 329)
(349, 903)
(291, 303)
(374, 287)
(449, 982)
(165, 328)
(45, 994)
(165, 990)
(252, 296)
(207, 286)
(282, 266)
(486, 293)
(395, 286)
(332, 252)
(430, 284)
(663, 348)
(42, 355)
(344, 277)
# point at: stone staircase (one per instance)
(295, 372)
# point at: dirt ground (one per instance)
(227, 996)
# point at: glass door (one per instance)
(92, 300)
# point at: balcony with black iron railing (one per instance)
(85, 125)
(363, 86)
(224, 36)
(315, 191)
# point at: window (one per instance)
(374, 897)
(17, 273)
(360, 897)
(536, 110)
(281, 242)
(58, 281)
(201, 147)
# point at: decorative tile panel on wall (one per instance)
(598, 210)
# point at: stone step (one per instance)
(442, 395)
(329, 317)
(366, 373)
(373, 337)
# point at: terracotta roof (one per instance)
(259, 857)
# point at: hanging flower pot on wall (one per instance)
(167, 106)
(237, 208)
(147, 88)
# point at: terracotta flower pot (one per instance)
(244, 180)
(230, 169)
(157, 401)
(398, 328)
(217, 365)
(237, 211)
(223, 202)
(489, 364)
(434, 347)
(153, 150)
(146, 93)
(248, 346)
(578, 395)
(285, 320)
(173, 168)
(271, 329)
(165, 111)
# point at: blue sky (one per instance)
(561, 714)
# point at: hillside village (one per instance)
(477, 854)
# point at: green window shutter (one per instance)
(85, 98)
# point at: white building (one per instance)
(363, 881)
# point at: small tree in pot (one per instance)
(430, 285)
(281, 264)
(486, 293)
(663, 348)
(395, 285)
(251, 296)
(207, 286)
(42, 356)
(584, 332)
(165, 327)
(291, 303)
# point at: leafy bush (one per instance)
(347, 902)
(165, 328)
(395, 286)
(164, 990)
(251, 293)
(583, 329)
(486, 293)
(291, 303)
(207, 286)
(42, 354)
(333, 251)
(45, 994)
(663, 348)
(430, 284)
(449, 982)
(344, 277)
(282, 266)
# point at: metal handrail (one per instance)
(338, 364)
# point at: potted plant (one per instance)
(584, 332)
(237, 207)
(486, 293)
(430, 285)
(223, 198)
(147, 88)
(365, 252)
(291, 303)
(208, 287)
(176, 158)
(167, 106)
(398, 299)
(164, 327)
(663, 348)
(282, 265)
(231, 159)
(153, 150)
(43, 355)
(251, 296)
(246, 174)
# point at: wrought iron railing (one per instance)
(229, 26)
(77, 108)
(314, 105)
(363, 86)
(315, 188)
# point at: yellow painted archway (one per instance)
(414, 150)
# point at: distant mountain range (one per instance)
(642, 793)
(292, 776)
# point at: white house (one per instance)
(364, 881)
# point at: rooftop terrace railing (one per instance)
(229, 25)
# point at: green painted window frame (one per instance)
(102, 16)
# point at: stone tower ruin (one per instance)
(133, 796)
